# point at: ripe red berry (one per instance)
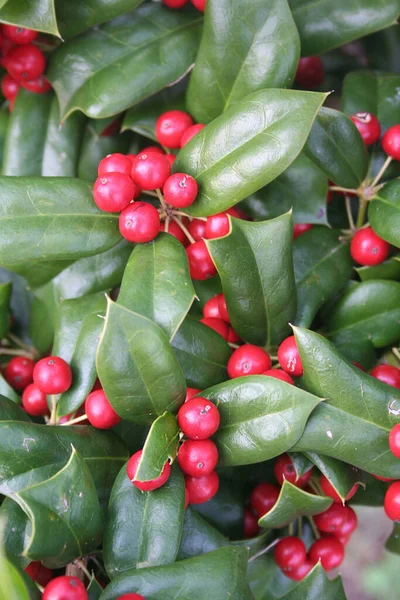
(200, 262)
(34, 401)
(330, 491)
(217, 226)
(248, 360)
(368, 126)
(197, 229)
(115, 163)
(329, 550)
(310, 72)
(301, 571)
(200, 4)
(65, 587)
(349, 525)
(38, 572)
(198, 457)
(191, 393)
(233, 337)
(279, 374)
(99, 411)
(388, 374)
(139, 222)
(25, 62)
(300, 228)
(176, 231)
(19, 372)
(394, 440)
(190, 133)
(19, 35)
(150, 170)
(223, 310)
(198, 418)
(391, 142)
(289, 357)
(211, 308)
(171, 158)
(392, 501)
(250, 525)
(156, 149)
(332, 519)
(170, 127)
(146, 486)
(367, 248)
(263, 497)
(130, 597)
(9, 87)
(284, 470)
(180, 190)
(40, 85)
(202, 489)
(52, 375)
(290, 552)
(114, 191)
(175, 3)
(218, 325)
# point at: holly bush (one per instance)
(199, 297)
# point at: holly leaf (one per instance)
(317, 585)
(266, 580)
(106, 70)
(301, 463)
(7, 391)
(336, 147)
(384, 213)
(225, 511)
(198, 536)
(5, 311)
(241, 160)
(261, 417)
(143, 529)
(389, 269)
(161, 445)
(255, 264)
(11, 411)
(39, 15)
(140, 376)
(157, 284)
(263, 53)
(342, 477)
(94, 589)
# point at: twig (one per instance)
(161, 198)
(79, 563)
(314, 528)
(337, 188)
(17, 352)
(264, 550)
(74, 421)
(53, 419)
(349, 213)
(382, 170)
(185, 231)
(362, 209)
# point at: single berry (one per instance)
(349, 525)
(290, 552)
(99, 411)
(279, 374)
(301, 571)
(329, 551)
(175, 3)
(388, 374)
(218, 325)
(190, 133)
(250, 525)
(150, 170)
(392, 501)
(176, 231)
(284, 470)
(211, 308)
(52, 375)
(300, 228)
(38, 572)
(200, 4)
(139, 222)
(332, 519)
(9, 87)
(198, 418)
(146, 486)
(289, 357)
(180, 190)
(368, 126)
(40, 85)
(171, 158)
(394, 440)
(65, 588)
(197, 229)
(217, 226)
(233, 337)
(200, 262)
(156, 149)
(198, 457)
(131, 597)
(19, 372)
(223, 310)
(248, 360)
(171, 126)
(310, 72)
(34, 401)
(114, 191)
(202, 489)
(330, 491)
(115, 163)
(191, 393)
(19, 35)
(25, 62)
(367, 248)
(391, 142)
(263, 497)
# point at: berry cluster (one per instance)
(71, 588)
(24, 62)
(215, 316)
(199, 4)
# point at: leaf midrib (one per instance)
(364, 321)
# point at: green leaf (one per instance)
(248, 146)
(37, 143)
(198, 536)
(382, 49)
(137, 368)
(336, 147)
(384, 213)
(340, 476)
(255, 264)
(322, 267)
(292, 503)
(143, 529)
(15, 536)
(5, 312)
(202, 354)
(225, 511)
(302, 187)
(317, 586)
(325, 25)
(389, 269)
(218, 575)
(263, 53)
(4, 119)
(261, 417)
(161, 444)
(393, 543)
(39, 15)
(157, 284)
(266, 580)
(96, 146)
(94, 589)
(301, 463)
(11, 411)
(49, 222)
(21, 299)
(106, 70)
(7, 391)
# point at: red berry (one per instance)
(156, 149)
(289, 357)
(233, 337)
(211, 308)
(392, 501)
(330, 491)
(200, 262)
(19, 372)
(388, 374)
(38, 572)
(218, 325)
(139, 222)
(33, 569)
(290, 552)
(34, 401)
(52, 375)
(198, 418)
(130, 597)
(284, 470)
(310, 72)
(200, 4)
(99, 411)
(9, 87)
(40, 85)
(202, 489)
(197, 229)
(279, 374)
(171, 158)
(115, 163)
(146, 486)
(190, 133)
(150, 170)
(263, 497)
(301, 571)
(367, 248)
(391, 142)
(114, 191)
(176, 231)
(329, 550)
(19, 35)
(332, 519)
(300, 228)
(198, 457)
(250, 526)
(175, 3)
(170, 127)
(217, 226)
(180, 190)
(349, 525)
(223, 311)
(65, 588)
(186, 499)
(25, 62)
(191, 393)
(368, 126)
(248, 360)
(394, 440)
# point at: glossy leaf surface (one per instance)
(384, 213)
(39, 15)
(161, 444)
(198, 536)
